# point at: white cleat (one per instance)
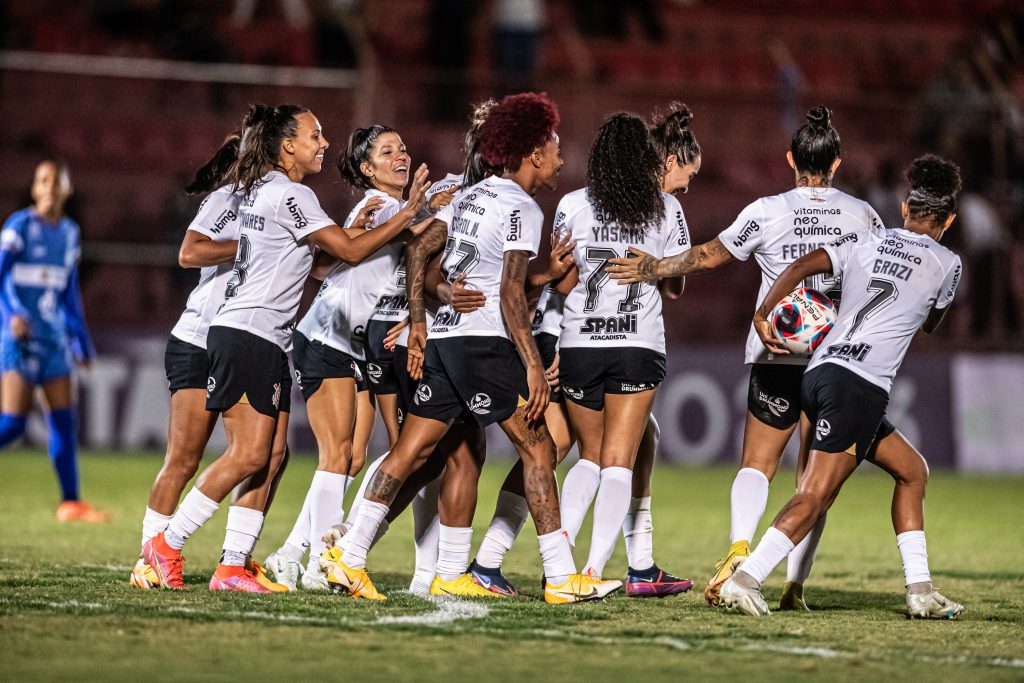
(314, 578)
(737, 598)
(285, 570)
(932, 605)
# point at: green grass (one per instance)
(67, 612)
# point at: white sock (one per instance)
(356, 543)
(426, 526)
(578, 491)
(510, 514)
(914, 552)
(609, 512)
(556, 555)
(326, 496)
(748, 499)
(244, 525)
(363, 485)
(195, 511)
(638, 530)
(772, 549)
(153, 523)
(298, 539)
(798, 566)
(453, 545)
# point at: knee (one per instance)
(336, 455)
(813, 503)
(182, 468)
(356, 462)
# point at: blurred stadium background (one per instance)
(136, 94)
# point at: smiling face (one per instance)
(388, 164)
(51, 188)
(305, 151)
(677, 177)
(548, 160)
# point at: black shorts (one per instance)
(380, 363)
(244, 367)
(187, 365)
(588, 374)
(315, 362)
(406, 384)
(472, 376)
(547, 344)
(773, 395)
(846, 411)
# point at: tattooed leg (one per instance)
(537, 451)
(415, 444)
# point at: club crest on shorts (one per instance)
(211, 384)
(298, 376)
(822, 429)
(423, 394)
(276, 400)
(374, 371)
(480, 404)
(776, 404)
(574, 393)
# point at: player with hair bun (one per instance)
(280, 223)
(893, 284)
(472, 366)
(44, 328)
(333, 366)
(775, 231)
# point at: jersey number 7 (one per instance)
(599, 278)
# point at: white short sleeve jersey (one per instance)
(342, 307)
(548, 317)
(494, 216)
(451, 182)
(599, 312)
(274, 257)
(780, 229)
(890, 284)
(217, 219)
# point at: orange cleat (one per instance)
(77, 511)
(165, 561)
(237, 579)
(257, 570)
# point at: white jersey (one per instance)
(342, 307)
(599, 312)
(217, 219)
(486, 220)
(450, 183)
(548, 317)
(274, 257)
(890, 284)
(780, 229)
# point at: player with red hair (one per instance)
(481, 366)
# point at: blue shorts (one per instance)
(37, 361)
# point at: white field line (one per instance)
(796, 650)
(448, 610)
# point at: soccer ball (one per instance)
(802, 319)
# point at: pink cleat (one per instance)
(165, 561)
(237, 579)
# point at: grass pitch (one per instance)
(68, 614)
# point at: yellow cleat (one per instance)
(260, 573)
(143, 576)
(466, 586)
(793, 598)
(341, 577)
(738, 552)
(579, 588)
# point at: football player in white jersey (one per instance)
(775, 231)
(893, 284)
(473, 364)
(329, 353)
(280, 223)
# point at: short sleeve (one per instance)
(12, 236)
(386, 212)
(560, 226)
(874, 221)
(446, 212)
(746, 234)
(839, 252)
(523, 225)
(217, 216)
(299, 212)
(949, 284)
(678, 239)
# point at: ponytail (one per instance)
(214, 173)
(265, 128)
(671, 134)
(816, 145)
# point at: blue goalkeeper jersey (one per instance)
(45, 256)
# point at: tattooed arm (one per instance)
(419, 251)
(642, 267)
(518, 316)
